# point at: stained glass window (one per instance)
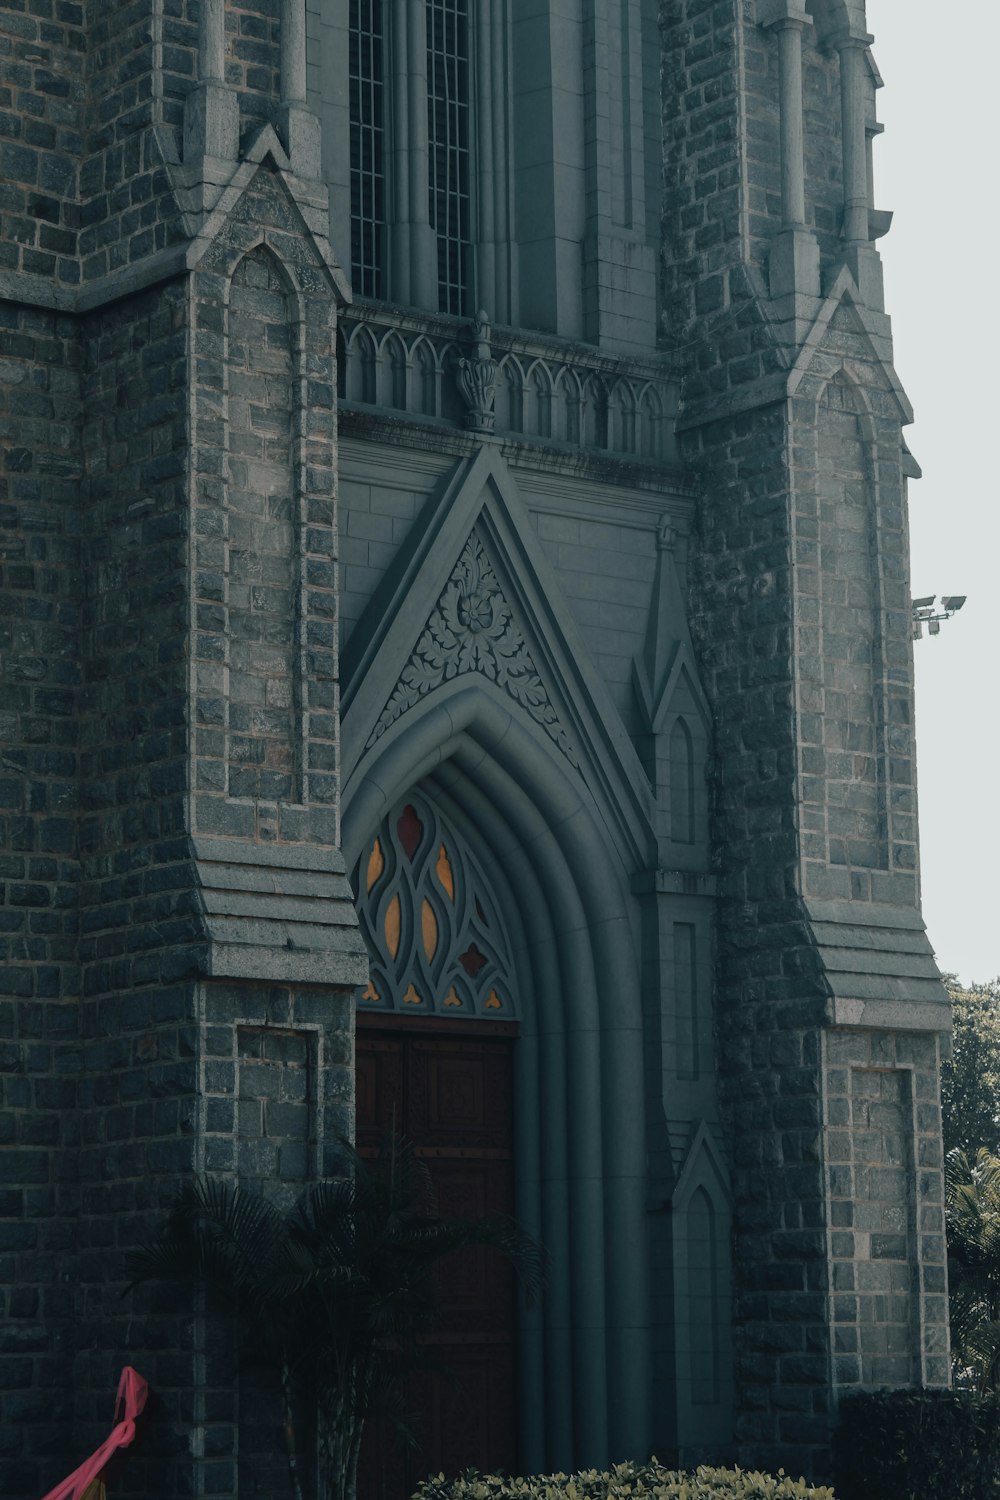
(434, 933)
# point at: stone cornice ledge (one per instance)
(674, 883)
(283, 913)
(889, 1015)
(756, 393)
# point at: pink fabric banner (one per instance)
(131, 1398)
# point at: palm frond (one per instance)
(338, 1292)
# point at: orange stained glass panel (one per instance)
(453, 997)
(429, 929)
(393, 925)
(492, 1001)
(376, 864)
(411, 997)
(371, 993)
(445, 873)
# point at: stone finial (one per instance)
(476, 377)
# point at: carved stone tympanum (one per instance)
(471, 629)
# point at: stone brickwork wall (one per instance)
(278, 1082)
(42, 89)
(721, 86)
(110, 1101)
(40, 591)
(139, 918)
(127, 209)
(886, 1185)
(845, 714)
(263, 605)
(252, 55)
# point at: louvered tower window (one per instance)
(448, 140)
(367, 147)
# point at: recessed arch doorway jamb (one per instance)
(545, 1421)
(516, 787)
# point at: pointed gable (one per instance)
(473, 593)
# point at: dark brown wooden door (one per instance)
(450, 1093)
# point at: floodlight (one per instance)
(953, 602)
(924, 603)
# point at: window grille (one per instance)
(448, 140)
(434, 934)
(365, 48)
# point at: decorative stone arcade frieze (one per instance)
(514, 383)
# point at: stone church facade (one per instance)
(455, 596)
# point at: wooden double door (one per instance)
(449, 1091)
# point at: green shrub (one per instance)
(917, 1445)
(625, 1482)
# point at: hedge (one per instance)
(627, 1481)
(917, 1445)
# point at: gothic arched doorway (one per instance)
(435, 1034)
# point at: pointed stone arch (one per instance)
(510, 395)
(682, 782)
(363, 365)
(700, 1219)
(473, 593)
(395, 372)
(425, 377)
(508, 730)
(579, 1123)
(261, 534)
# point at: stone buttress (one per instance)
(830, 1012)
(181, 949)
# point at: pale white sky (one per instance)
(936, 168)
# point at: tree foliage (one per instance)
(970, 1079)
(334, 1294)
(972, 1215)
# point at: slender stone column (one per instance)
(852, 111)
(211, 109)
(299, 127)
(494, 254)
(413, 254)
(859, 252)
(423, 241)
(793, 172)
(485, 268)
(794, 258)
(293, 51)
(212, 42)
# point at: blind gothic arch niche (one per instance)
(432, 926)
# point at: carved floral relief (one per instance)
(472, 629)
